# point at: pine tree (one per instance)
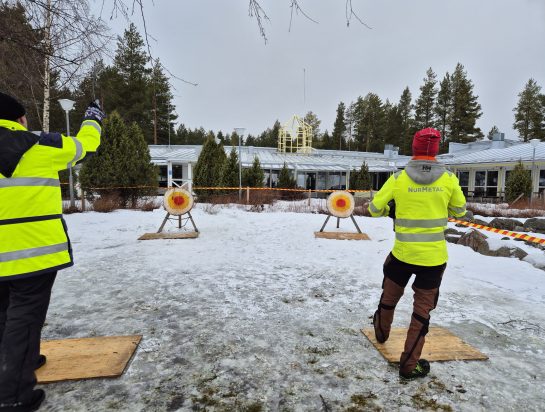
(230, 170)
(519, 182)
(369, 123)
(492, 132)
(206, 169)
(392, 125)
(312, 120)
(122, 160)
(405, 109)
(530, 113)
(339, 129)
(443, 109)
(349, 122)
(424, 114)
(162, 108)
(285, 178)
(361, 179)
(254, 176)
(465, 109)
(127, 87)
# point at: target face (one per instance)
(178, 201)
(340, 204)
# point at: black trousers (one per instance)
(23, 307)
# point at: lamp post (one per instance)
(240, 132)
(68, 105)
(534, 143)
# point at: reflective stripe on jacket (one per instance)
(33, 236)
(421, 210)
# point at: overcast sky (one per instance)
(243, 82)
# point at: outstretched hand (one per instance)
(94, 112)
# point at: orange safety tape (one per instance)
(228, 188)
(516, 235)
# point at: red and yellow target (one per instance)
(340, 204)
(178, 201)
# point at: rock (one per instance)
(475, 240)
(450, 231)
(505, 223)
(480, 222)
(535, 224)
(452, 238)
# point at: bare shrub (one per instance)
(149, 204)
(210, 208)
(67, 209)
(262, 197)
(107, 203)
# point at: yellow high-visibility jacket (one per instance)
(33, 235)
(425, 194)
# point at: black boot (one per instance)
(38, 396)
(41, 361)
(422, 369)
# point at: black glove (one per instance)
(468, 217)
(94, 112)
(392, 206)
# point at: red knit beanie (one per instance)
(426, 142)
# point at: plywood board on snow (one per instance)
(97, 357)
(169, 235)
(441, 345)
(342, 235)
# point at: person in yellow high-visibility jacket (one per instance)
(34, 242)
(420, 199)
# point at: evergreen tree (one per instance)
(492, 132)
(230, 169)
(392, 125)
(339, 129)
(268, 138)
(465, 109)
(519, 182)
(349, 122)
(424, 113)
(285, 178)
(312, 120)
(207, 169)
(369, 123)
(443, 109)
(405, 109)
(361, 179)
(127, 84)
(162, 108)
(325, 141)
(530, 113)
(122, 160)
(254, 176)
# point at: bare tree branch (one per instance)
(350, 13)
(255, 9)
(294, 6)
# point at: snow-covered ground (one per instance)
(258, 315)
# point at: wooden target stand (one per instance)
(340, 204)
(178, 203)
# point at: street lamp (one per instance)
(240, 132)
(534, 143)
(68, 105)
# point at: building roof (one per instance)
(270, 158)
(522, 151)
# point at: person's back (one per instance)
(34, 242)
(424, 195)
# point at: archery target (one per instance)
(178, 201)
(340, 204)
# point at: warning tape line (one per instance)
(515, 235)
(229, 188)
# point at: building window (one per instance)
(463, 178)
(541, 188)
(480, 183)
(492, 183)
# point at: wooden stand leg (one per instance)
(354, 220)
(325, 223)
(164, 222)
(192, 222)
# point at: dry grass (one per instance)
(149, 204)
(522, 209)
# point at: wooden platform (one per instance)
(441, 345)
(74, 359)
(169, 235)
(342, 235)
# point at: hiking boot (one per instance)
(38, 396)
(379, 334)
(41, 361)
(422, 369)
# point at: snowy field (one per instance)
(258, 315)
